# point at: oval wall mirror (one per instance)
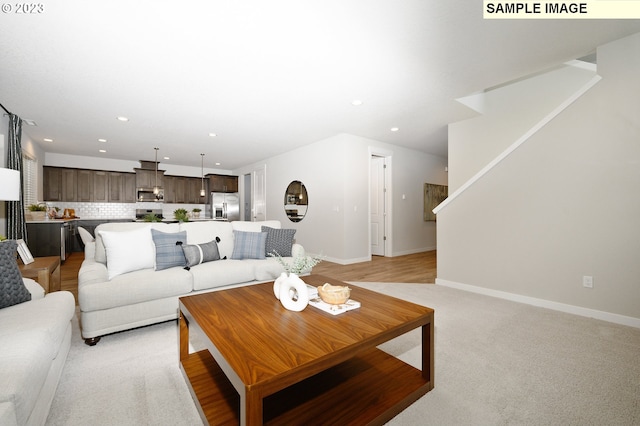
(296, 201)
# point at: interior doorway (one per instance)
(246, 199)
(378, 205)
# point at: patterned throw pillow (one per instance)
(279, 241)
(169, 251)
(196, 254)
(12, 288)
(249, 245)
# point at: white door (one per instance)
(377, 198)
(259, 189)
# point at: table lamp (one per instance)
(9, 185)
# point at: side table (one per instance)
(45, 270)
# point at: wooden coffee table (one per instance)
(265, 364)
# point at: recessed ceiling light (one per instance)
(48, 140)
(167, 158)
(121, 118)
(102, 140)
(213, 135)
(217, 164)
(395, 129)
(356, 102)
(102, 150)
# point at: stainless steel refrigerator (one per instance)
(225, 206)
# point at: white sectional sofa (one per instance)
(35, 337)
(147, 295)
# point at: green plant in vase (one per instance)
(38, 211)
(196, 212)
(37, 207)
(151, 218)
(181, 215)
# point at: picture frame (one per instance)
(24, 252)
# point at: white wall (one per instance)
(506, 114)
(335, 172)
(110, 164)
(562, 206)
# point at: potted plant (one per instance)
(181, 215)
(151, 218)
(196, 212)
(38, 211)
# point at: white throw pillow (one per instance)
(128, 251)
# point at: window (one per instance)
(30, 178)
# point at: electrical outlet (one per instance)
(587, 281)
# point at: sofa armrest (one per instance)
(36, 290)
(92, 272)
(90, 250)
(8, 414)
(297, 250)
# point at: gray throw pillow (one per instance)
(12, 288)
(249, 245)
(196, 254)
(279, 241)
(168, 248)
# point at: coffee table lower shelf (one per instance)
(368, 389)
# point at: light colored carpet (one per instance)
(497, 363)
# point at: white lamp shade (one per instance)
(9, 185)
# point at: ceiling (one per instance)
(265, 77)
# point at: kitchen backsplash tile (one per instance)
(121, 210)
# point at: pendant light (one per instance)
(202, 176)
(156, 190)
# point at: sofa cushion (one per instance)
(248, 245)
(279, 241)
(221, 273)
(169, 248)
(51, 315)
(135, 287)
(196, 254)
(267, 269)
(128, 251)
(12, 289)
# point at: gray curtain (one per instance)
(16, 226)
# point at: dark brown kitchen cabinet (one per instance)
(180, 189)
(169, 189)
(51, 184)
(129, 188)
(85, 185)
(100, 187)
(59, 184)
(193, 191)
(223, 183)
(122, 187)
(147, 178)
(69, 186)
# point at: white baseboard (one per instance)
(413, 251)
(344, 261)
(556, 306)
(367, 259)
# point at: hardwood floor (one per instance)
(412, 268)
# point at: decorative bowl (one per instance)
(334, 294)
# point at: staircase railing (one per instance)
(533, 130)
